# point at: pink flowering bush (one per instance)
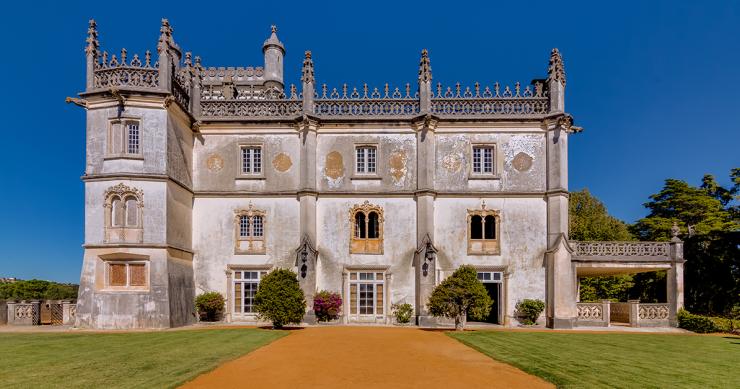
(327, 305)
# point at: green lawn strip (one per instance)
(615, 360)
(121, 360)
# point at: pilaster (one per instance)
(674, 281)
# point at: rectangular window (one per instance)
(366, 293)
(251, 157)
(366, 159)
(127, 274)
(483, 159)
(132, 129)
(245, 288)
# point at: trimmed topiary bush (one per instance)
(210, 305)
(402, 312)
(460, 295)
(530, 310)
(327, 305)
(279, 298)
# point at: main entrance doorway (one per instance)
(493, 281)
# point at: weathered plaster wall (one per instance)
(214, 237)
(395, 159)
(153, 216)
(108, 309)
(520, 161)
(523, 242)
(153, 142)
(179, 148)
(181, 288)
(179, 216)
(399, 243)
(217, 162)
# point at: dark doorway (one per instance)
(494, 292)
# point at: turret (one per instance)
(425, 82)
(556, 82)
(274, 52)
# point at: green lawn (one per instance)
(615, 360)
(121, 360)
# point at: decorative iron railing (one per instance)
(621, 249)
(590, 311)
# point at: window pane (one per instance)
(353, 299)
(132, 129)
(490, 227)
(256, 160)
(480, 276)
(476, 160)
(238, 297)
(360, 161)
(243, 226)
(237, 275)
(476, 227)
(366, 299)
(117, 275)
(250, 289)
(372, 228)
(137, 274)
(246, 160)
(352, 276)
(379, 299)
(379, 276)
(257, 226)
(488, 160)
(360, 225)
(497, 276)
(132, 212)
(371, 159)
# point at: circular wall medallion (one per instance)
(215, 163)
(522, 162)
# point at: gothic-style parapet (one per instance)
(618, 250)
(497, 102)
(367, 102)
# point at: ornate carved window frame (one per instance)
(484, 246)
(366, 245)
(124, 233)
(117, 128)
(250, 244)
(496, 162)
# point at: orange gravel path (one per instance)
(378, 357)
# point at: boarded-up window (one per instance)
(137, 273)
(117, 212)
(117, 274)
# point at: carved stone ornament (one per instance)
(215, 163)
(522, 162)
(425, 67)
(556, 69)
(122, 190)
(307, 75)
(306, 256)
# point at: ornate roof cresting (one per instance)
(307, 71)
(556, 69)
(425, 67)
(92, 38)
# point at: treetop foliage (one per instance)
(37, 290)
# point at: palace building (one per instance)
(205, 178)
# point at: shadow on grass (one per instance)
(281, 329)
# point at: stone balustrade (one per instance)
(633, 312)
(28, 312)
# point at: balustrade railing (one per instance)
(621, 249)
(590, 311)
(490, 102)
(250, 109)
(115, 72)
(653, 312)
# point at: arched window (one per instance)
(250, 231)
(483, 231)
(123, 214)
(367, 229)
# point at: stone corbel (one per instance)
(425, 123)
(168, 101)
(306, 123)
(195, 127)
(116, 93)
(563, 122)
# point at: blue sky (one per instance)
(652, 83)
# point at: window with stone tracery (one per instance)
(123, 214)
(367, 229)
(250, 231)
(483, 231)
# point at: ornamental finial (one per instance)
(307, 75)
(675, 230)
(425, 67)
(92, 38)
(273, 28)
(165, 33)
(556, 69)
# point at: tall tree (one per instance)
(589, 220)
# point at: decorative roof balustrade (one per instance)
(533, 100)
(250, 109)
(653, 250)
(115, 72)
(366, 103)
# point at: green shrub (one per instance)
(37, 290)
(279, 298)
(327, 305)
(210, 305)
(459, 295)
(529, 310)
(696, 323)
(402, 312)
